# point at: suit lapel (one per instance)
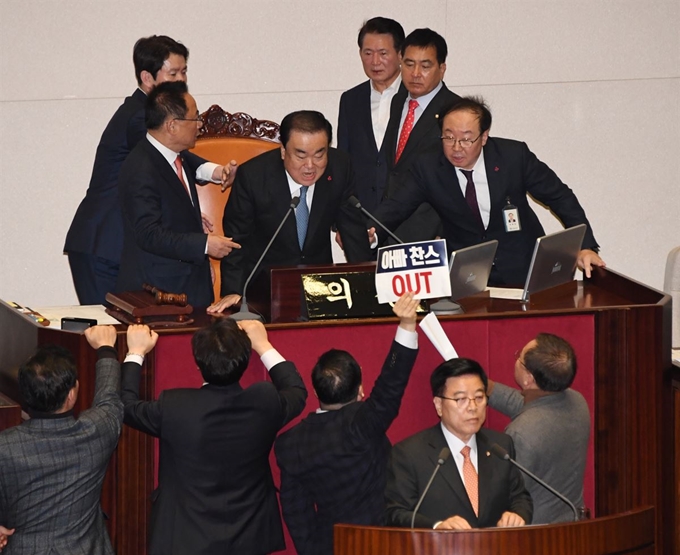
(457, 205)
(485, 472)
(425, 123)
(449, 470)
(365, 115)
(498, 189)
(192, 189)
(279, 190)
(173, 184)
(392, 133)
(321, 199)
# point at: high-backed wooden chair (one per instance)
(225, 137)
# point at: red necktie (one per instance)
(406, 128)
(178, 167)
(471, 197)
(470, 478)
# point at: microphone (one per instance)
(503, 454)
(244, 313)
(354, 201)
(443, 456)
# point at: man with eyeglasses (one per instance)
(479, 186)
(473, 488)
(550, 424)
(95, 239)
(164, 243)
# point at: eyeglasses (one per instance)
(464, 143)
(518, 357)
(464, 402)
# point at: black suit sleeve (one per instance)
(194, 161)
(543, 185)
(343, 125)
(142, 206)
(136, 129)
(239, 217)
(352, 226)
(377, 413)
(291, 388)
(141, 415)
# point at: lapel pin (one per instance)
(330, 178)
(496, 169)
(488, 454)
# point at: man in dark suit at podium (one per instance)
(333, 462)
(365, 109)
(94, 241)
(473, 489)
(305, 167)
(479, 186)
(164, 243)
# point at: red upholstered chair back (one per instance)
(225, 137)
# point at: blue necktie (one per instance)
(302, 217)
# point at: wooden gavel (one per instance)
(161, 297)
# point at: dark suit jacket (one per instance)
(356, 137)
(164, 244)
(97, 226)
(333, 464)
(513, 172)
(424, 138)
(258, 202)
(52, 470)
(412, 461)
(215, 490)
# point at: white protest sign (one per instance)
(419, 267)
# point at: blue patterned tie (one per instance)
(302, 217)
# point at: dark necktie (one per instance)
(302, 217)
(471, 197)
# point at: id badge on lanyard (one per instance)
(511, 217)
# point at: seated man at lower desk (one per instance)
(478, 185)
(473, 488)
(305, 167)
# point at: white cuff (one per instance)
(205, 172)
(408, 339)
(271, 358)
(131, 357)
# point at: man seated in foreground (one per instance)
(333, 462)
(52, 466)
(473, 489)
(215, 489)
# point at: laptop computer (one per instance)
(469, 271)
(554, 260)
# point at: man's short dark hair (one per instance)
(47, 377)
(221, 351)
(552, 362)
(423, 38)
(336, 377)
(166, 100)
(382, 26)
(305, 121)
(474, 104)
(149, 54)
(452, 369)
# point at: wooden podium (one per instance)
(623, 327)
(631, 533)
